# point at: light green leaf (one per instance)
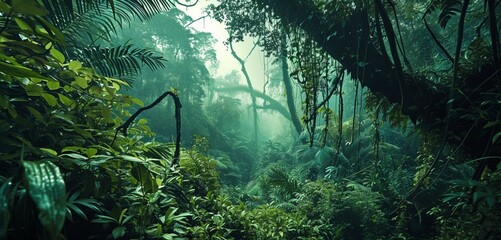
(48, 45)
(49, 151)
(74, 65)
(50, 99)
(65, 100)
(80, 81)
(90, 152)
(137, 101)
(53, 85)
(57, 55)
(34, 90)
(47, 190)
(22, 24)
(106, 113)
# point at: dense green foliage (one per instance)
(69, 77)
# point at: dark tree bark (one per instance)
(288, 85)
(422, 100)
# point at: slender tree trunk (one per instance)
(288, 84)
(249, 84)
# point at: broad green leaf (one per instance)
(73, 155)
(74, 65)
(34, 90)
(111, 90)
(90, 152)
(116, 86)
(4, 208)
(12, 111)
(57, 55)
(18, 71)
(95, 90)
(137, 101)
(120, 81)
(122, 214)
(48, 45)
(492, 123)
(4, 101)
(52, 30)
(140, 173)
(49, 151)
(53, 85)
(106, 113)
(47, 190)
(142, 121)
(28, 7)
(50, 99)
(38, 116)
(65, 100)
(103, 219)
(118, 232)
(80, 81)
(68, 88)
(4, 7)
(63, 117)
(22, 24)
(490, 200)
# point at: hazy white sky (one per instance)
(271, 123)
(254, 64)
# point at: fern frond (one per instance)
(121, 60)
(434, 5)
(449, 9)
(285, 185)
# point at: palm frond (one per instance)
(285, 185)
(432, 6)
(121, 60)
(100, 18)
(448, 8)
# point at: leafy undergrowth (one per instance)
(66, 174)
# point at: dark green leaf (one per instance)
(28, 7)
(118, 232)
(4, 207)
(47, 190)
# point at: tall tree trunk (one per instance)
(288, 84)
